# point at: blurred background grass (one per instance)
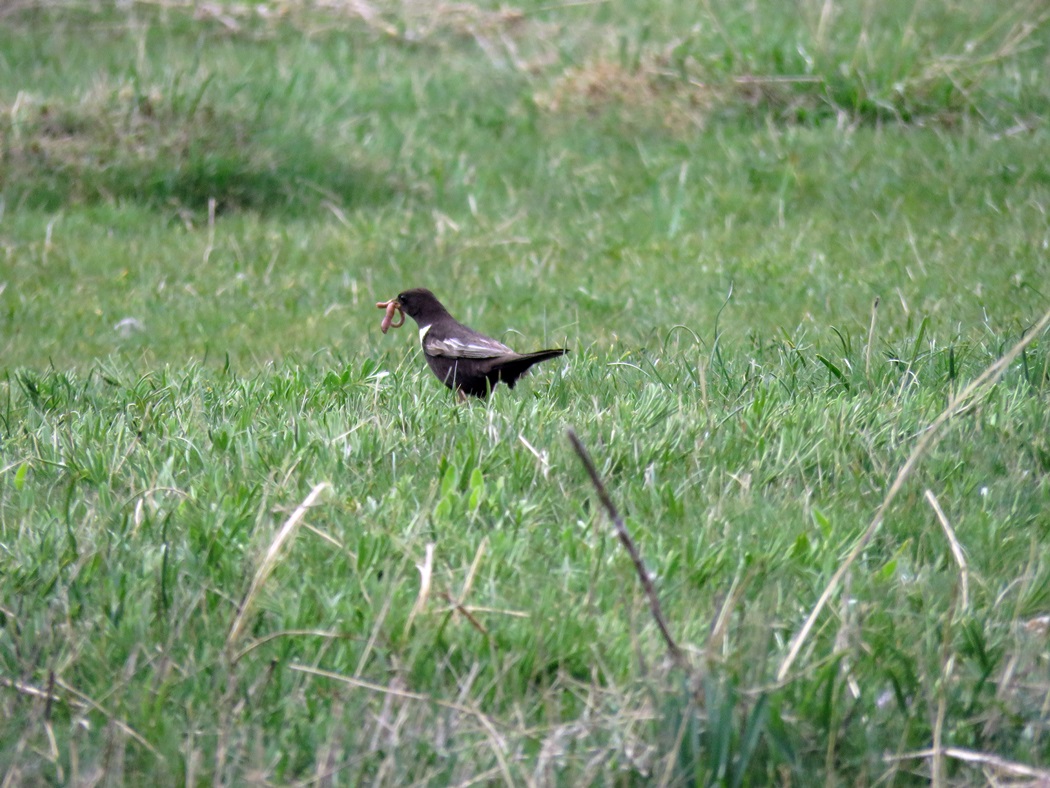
(593, 173)
(199, 206)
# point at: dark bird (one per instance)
(464, 360)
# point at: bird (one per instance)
(466, 361)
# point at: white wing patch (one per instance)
(451, 347)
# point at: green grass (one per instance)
(197, 217)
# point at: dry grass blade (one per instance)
(313, 633)
(718, 631)
(957, 551)
(871, 339)
(625, 537)
(937, 777)
(119, 723)
(426, 574)
(34, 692)
(928, 438)
(495, 740)
(1011, 768)
(269, 562)
(473, 571)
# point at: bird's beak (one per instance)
(391, 306)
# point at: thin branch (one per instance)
(465, 612)
(621, 531)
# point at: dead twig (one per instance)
(625, 537)
(465, 612)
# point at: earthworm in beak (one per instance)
(391, 307)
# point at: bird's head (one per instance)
(418, 303)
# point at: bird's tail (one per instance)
(512, 370)
(543, 355)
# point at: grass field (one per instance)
(800, 254)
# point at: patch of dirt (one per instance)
(644, 93)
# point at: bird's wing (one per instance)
(468, 344)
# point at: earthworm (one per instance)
(391, 307)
